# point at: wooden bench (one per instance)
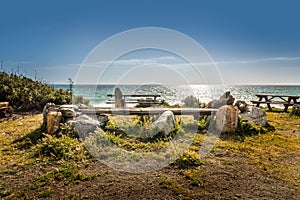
(121, 100)
(285, 100)
(148, 111)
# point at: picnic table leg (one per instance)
(269, 107)
(286, 108)
(257, 104)
(268, 104)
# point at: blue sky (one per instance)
(252, 42)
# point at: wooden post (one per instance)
(119, 101)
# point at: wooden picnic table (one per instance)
(283, 99)
(122, 99)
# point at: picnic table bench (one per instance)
(143, 99)
(282, 99)
(148, 111)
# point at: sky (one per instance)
(251, 42)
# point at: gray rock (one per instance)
(103, 119)
(165, 122)
(69, 106)
(67, 112)
(119, 101)
(225, 99)
(296, 107)
(255, 115)
(227, 119)
(85, 125)
(296, 110)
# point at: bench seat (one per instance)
(272, 102)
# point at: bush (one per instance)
(189, 159)
(80, 100)
(295, 111)
(24, 94)
(248, 128)
(62, 148)
(191, 102)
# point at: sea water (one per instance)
(174, 94)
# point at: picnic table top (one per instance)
(136, 95)
(277, 95)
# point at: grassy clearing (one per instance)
(273, 152)
(23, 146)
(11, 132)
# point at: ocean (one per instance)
(175, 94)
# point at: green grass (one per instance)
(45, 193)
(193, 176)
(11, 132)
(66, 173)
(23, 145)
(60, 148)
(273, 151)
(189, 159)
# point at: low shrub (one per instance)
(191, 102)
(60, 148)
(248, 128)
(24, 94)
(295, 112)
(189, 159)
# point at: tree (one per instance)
(71, 83)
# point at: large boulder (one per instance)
(255, 115)
(165, 123)
(85, 125)
(53, 120)
(225, 99)
(227, 119)
(119, 100)
(47, 108)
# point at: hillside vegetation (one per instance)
(24, 94)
